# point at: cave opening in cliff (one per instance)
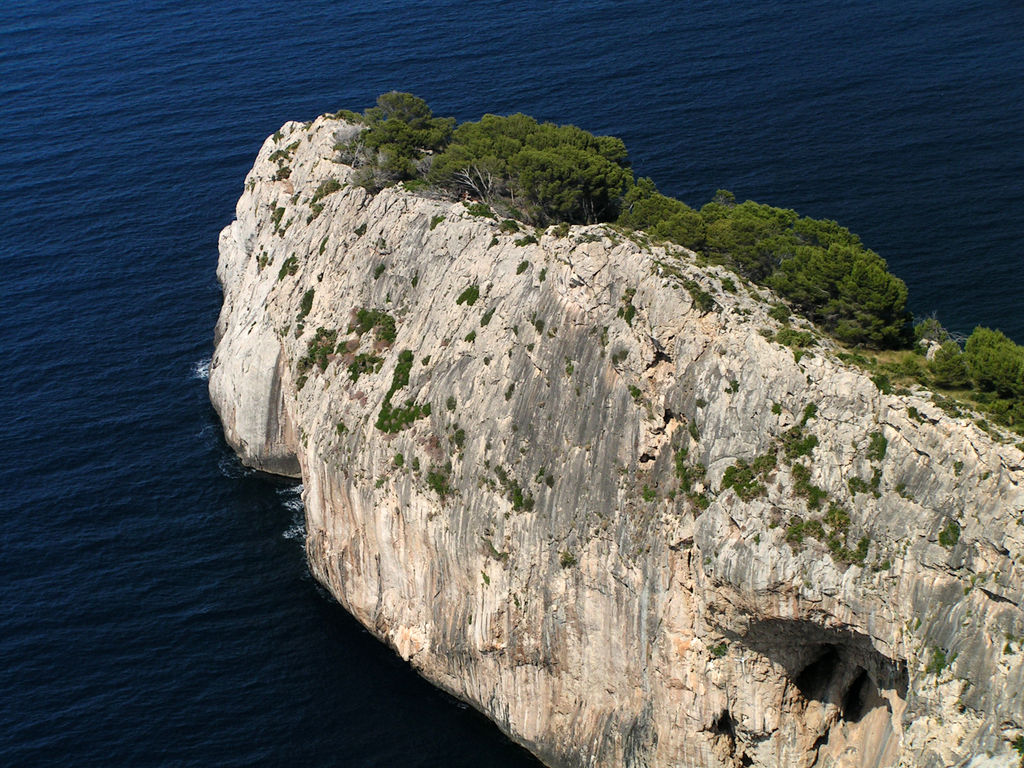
(861, 697)
(724, 726)
(814, 680)
(837, 667)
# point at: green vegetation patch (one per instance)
(802, 486)
(275, 217)
(325, 188)
(544, 172)
(819, 266)
(940, 660)
(859, 485)
(790, 337)
(439, 480)
(796, 442)
(400, 131)
(744, 478)
(479, 209)
(877, 446)
(364, 363)
(380, 322)
(521, 499)
(289, 267)
(949, 536)
(319, 347)
(396, 418)
(832, 529)
(284, 154)
(690, 474)
(627, 311)
(703, 300)
(305, 305)
(469, 296)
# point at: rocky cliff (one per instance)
(573, 479)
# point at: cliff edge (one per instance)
(573, 479)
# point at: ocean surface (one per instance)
(155, 608)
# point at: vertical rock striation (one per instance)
(575, 483)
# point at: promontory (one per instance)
(611, 491)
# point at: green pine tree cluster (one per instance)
(818, 265)
(989, 364)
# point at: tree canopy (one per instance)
(661, 217)
(543, 173)
(995, 362)
(817, 264)
(401, 129)
(548, 172)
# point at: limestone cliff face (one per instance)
(517, 461)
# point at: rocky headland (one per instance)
(574, 479)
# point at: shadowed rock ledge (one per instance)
(575, 483)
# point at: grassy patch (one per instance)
(703, 300)
(790, 337)
(375, 320)
(802, 487)
(439, 480)
(939, 661)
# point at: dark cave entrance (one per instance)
(725, 728)
(815, 679)
(833, 677)
(724, 725)
(840, 668)
(837, 678)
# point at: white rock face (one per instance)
(544, 545)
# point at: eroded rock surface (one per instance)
(515, 461)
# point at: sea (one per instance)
(155, 606)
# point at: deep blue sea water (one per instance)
(154, 604)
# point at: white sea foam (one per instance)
(291, 498)
(201, 370)
(232, 468)
(297, 530)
